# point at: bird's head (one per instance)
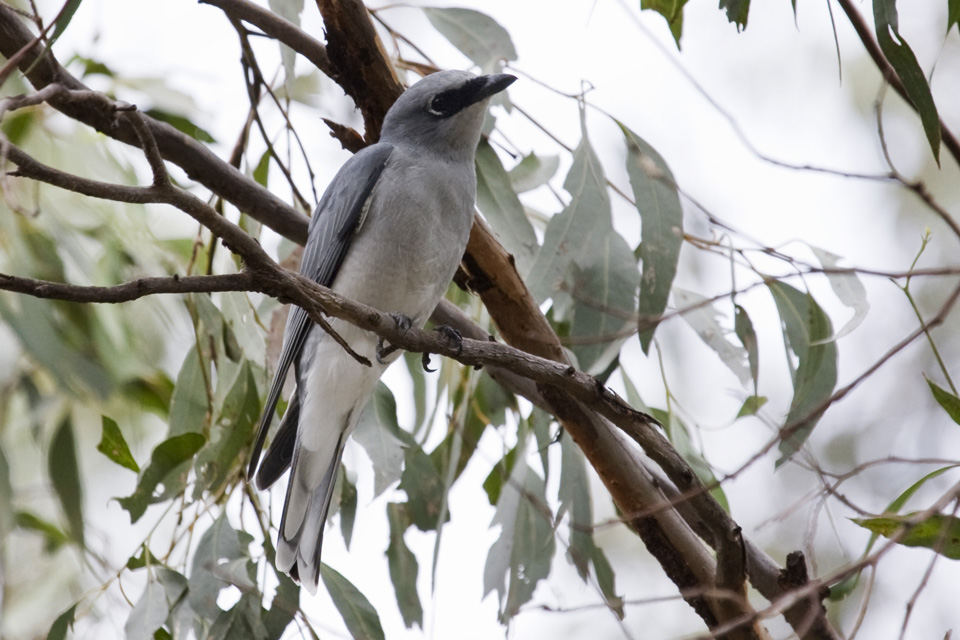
(443, 112)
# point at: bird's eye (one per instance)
(446, 103)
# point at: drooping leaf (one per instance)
(58, 630)
(737, 11)
(113, 445)
(947, 400)
(679, 434)
(7, 516)
(743, 327)
(189, 403)
(290, 10)
(403, 567)
(149, 614)
(348, 505)
(606, 581)
(498, 476)
(230, 432)
(807, 333)
(574, 496)
(65, 475)
(953, 13)
(848, 289)
(672, 10)
(938, 532)
(422, 482)
(502, 208)
(661, 216)
(358, 614)
(702, 316)
(901, 56)
(220, 545)
(241, 622)
(66, 16)
(283, 609)
(533, 171)
(143, 559)
(152, 392)
(522, 555)
(261, 173)
(168, 466)
(540, 422)
(378, 433)
(477, 35)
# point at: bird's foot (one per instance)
(452, 335)
(403, 324)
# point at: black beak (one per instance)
(494, 84)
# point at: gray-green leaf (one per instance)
(477, 35)
(114, 446)
(148, 614)
(658, 203)
(65, 476)
(702, 316)
(403, 567)
(168, 466)
(358, 614)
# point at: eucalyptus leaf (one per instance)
(189, 404)
(807, 333)
(701, 315)
(65, 475)
(475, 34)
(658, 203)
(348, 505)
(947, 400)
(377, 433)
(848, 289)
(903, 60)
(149, 614)
(403, 567)
(502, 208)
(168, 466)
(743, 328)
(938, 532)
(672, 11)
(58, 630)
(358, 614)
(219, 545)
(114, 446)
(737, 11)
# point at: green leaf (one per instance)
(532, 172)
(229, 434)
(751, 405)
(149, 614)
(658, 203)
(283, 609)
(219, 546)
(502, 208)
(66, 16)
(938, 532)
(574, 496)
(152, 392)
(7, 515)
(672, 10)
(403, 567)
(477, 35)
(953, 13)
(422, 482)
(521, 556)
(189, 402)
(493, 483)
(262, 171)
(378, 434)
(145, 558)
(65, 476)
(348, 505)
(58, 630)
(898, 52)
(607, 582)
(358, 614)
(114, 446)
(679, 434)
(290, 10)
(241, 622)
(743, 327)
(807, 332)
(847, 287)
(53, 537)
(949, 402)
(168, 466)
(701, 315)
(737, 11)
(182, 124)
(17, 125)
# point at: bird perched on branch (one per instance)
(389, 232)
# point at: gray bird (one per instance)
(389, 232)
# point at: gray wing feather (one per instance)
(331, 229)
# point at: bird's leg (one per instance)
(452, 336)
(403, 324)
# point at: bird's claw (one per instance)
(403, 324)
(452, 335)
